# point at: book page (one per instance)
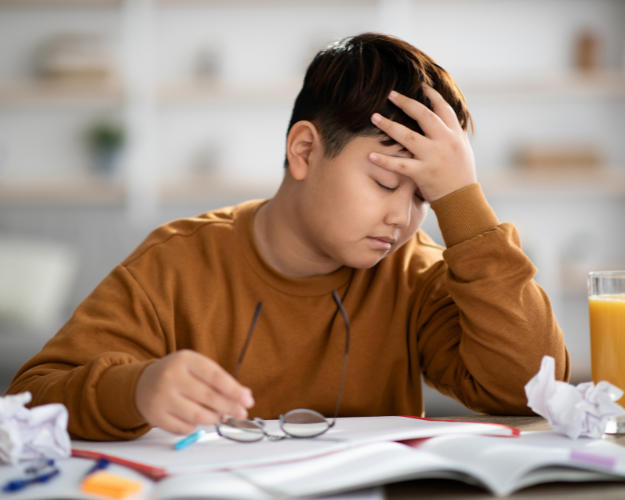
(499, 465)
(362, 466)
(506, 465)
(215, 453)
(227, 486)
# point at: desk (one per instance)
(421, 489)
(438, 489)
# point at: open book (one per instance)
(501, 466)
(154, 454)
(359, 454)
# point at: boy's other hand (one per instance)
(442, 159)
(185, 389)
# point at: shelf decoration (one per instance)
(559, 157)
(75, 58)
(588, 52)
(106, 140)
(208, 64)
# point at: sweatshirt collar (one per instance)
(303, 287)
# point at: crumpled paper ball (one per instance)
(31, 434)
(582, 410)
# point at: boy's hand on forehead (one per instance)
(443, 159)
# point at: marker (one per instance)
(18, 484)
(189, 440)
(101, 464)
(38, 468)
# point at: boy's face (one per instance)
(355, 212)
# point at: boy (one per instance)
(378, 132)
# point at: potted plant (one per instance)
(106, 141)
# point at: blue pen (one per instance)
(18, 484)
(38, 468)
(189, 440)
(102, 463)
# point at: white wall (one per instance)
(484, 44)
(263, 44)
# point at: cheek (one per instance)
(349, 208)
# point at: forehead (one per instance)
(379, 143)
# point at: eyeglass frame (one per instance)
(260, 422)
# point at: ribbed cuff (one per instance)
(116, 395)
(464, 214)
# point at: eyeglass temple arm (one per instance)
(347, 337)
(247, 340)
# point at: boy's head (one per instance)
(348, 210)
(350, 80)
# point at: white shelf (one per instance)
(93, 190)
(50, 93)
(59, 3)
(53, 93)
(256, 2)
(201, 188)
(190, 91)
(505, 183)
(61, 192)
(115, 3)
(600, 84)
(44, 94)
(514, 181)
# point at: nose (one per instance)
(399, 212)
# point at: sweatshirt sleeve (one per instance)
(484, 324)
(92, 364)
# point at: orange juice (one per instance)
(607, 339)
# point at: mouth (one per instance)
(382, 242)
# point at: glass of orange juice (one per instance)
(606, 302)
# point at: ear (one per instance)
(302, 143)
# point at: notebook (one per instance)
(154, 456)
(501, 466)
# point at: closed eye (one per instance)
(420, 197)
(390, 189)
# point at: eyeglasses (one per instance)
(300, 423)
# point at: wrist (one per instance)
(116, 395)
(457, 185)
(464, 214)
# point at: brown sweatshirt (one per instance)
(470, 318)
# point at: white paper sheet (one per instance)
(29, 434)
(582, 410)
(501, 465)
(221, 485)
(214, 453)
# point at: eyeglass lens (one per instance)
(304, 423)
(241, 430)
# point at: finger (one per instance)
(431, 124)
(206, 396)
(176, 425)
(442, 108)
(192, 412)
(397, 164)
(210, 373)
(410, 139)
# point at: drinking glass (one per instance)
(606, 302)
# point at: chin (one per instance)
(363, 261)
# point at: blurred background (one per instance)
(117, 116)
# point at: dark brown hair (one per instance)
(350, 80)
